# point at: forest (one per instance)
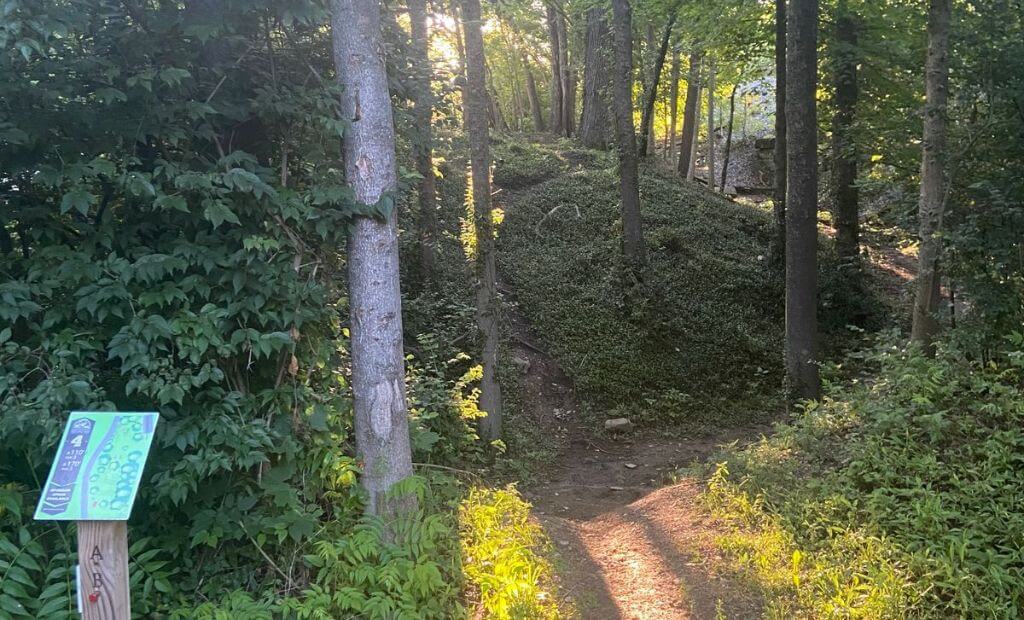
(516, 309)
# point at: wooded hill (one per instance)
(522, 309)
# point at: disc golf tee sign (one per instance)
(98, 467)
(93, 481)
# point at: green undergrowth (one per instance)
(901, 496)
(505, 557)
(699, 338)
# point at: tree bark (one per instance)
(375, 301)
(480, 162)
(423, 108)
(531, 92)
(512, 61)
(646, 145)
(690, 114)
(633, 249)
(497, 118)
(802, 201)
(933, 176)
(566, 76)
(844, 151)
(728, 137)
(594, 123)
(691, 171)
(673, 106)
(711, 125)
(777, 249)
(555, 115)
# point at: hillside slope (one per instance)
(707, 319)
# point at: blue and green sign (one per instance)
(98, 467)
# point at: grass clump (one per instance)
(504, 557)
(900, 498)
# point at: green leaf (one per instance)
(110, 95)
(177, 203)
(217, 213)
(78, 199)
(172, 76)
(11, 606)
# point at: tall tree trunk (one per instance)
(531, 92)
(743, 121)
(593, 124)
(728, 137)
(566, 75)
(673, 106)
(512, 61)
(777, 249)
(844, 152)
(646, 146)
(690, 114)
(460, 50)
(375, 301)
(423, 108)
(691, 171)
(486, 272)
(633, 249)
(555, 116)
(570, 103)
(711, 125)
(496, 116)
(933, 176)
(802, 201)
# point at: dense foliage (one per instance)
(899, 496)
(172, 233)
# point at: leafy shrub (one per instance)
(504, 556)
(904, 493)
(172, 239)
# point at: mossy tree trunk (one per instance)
(487, 308)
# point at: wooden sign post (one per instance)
(93, 481)
(103, 570)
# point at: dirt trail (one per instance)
(630, 545)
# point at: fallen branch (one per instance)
(529, 345)
(549, 214)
